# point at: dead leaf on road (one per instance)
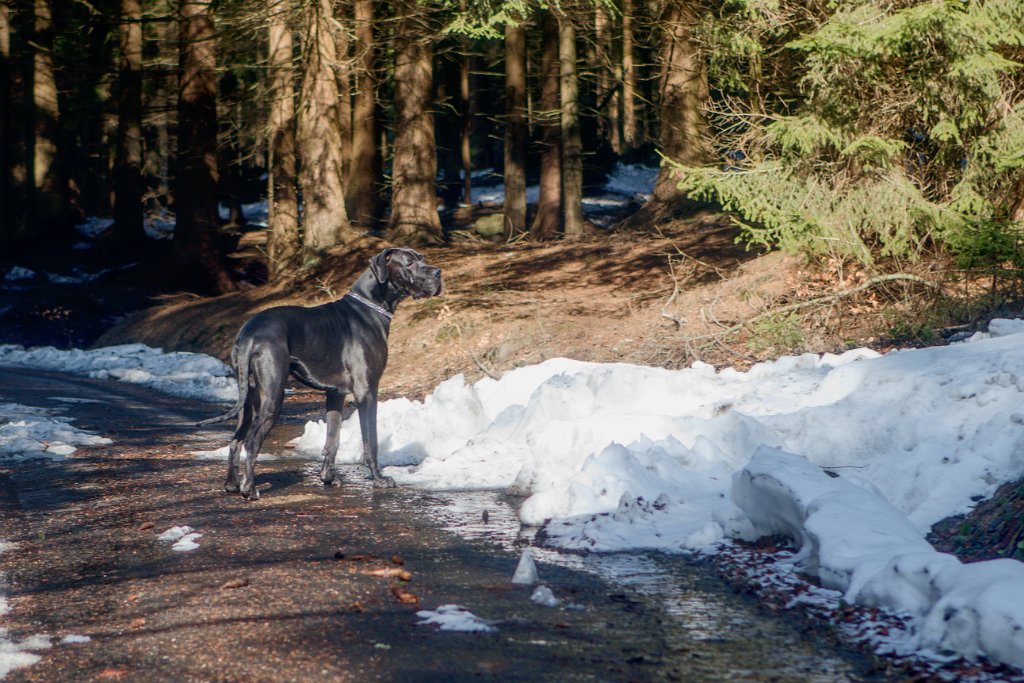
(234, 583)
(396, 572)
(404, 596)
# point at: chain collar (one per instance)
(366, 302)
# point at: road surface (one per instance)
(307, 583)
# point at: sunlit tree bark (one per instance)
(572, 149)
(414, 218)
(128, 216)
(50, 197)
(363, 196)
(284, 242)
(684, 135)
(629, 125)
(516, 133)
(318, 138)
(196, 174)
(549, 202)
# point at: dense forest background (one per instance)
(869, 131)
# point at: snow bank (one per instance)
(190, 375)
(615, 457)
(856, 542)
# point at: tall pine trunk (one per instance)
(158, 105)
(128, 224)
(343, 72)
(608, 73)
(414, 219)
(516, 132)
(195, 190)
(363, 196)
(683, 88)
(467, 110)
(49, 204)
(549, 202)
(284, 243)
(629, 125)
(6, 108)
(572, 148)
(324, 219)
(16, 112)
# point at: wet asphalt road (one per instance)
(302, 585)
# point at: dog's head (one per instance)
(406, 271)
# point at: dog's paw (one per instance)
(384, 483)
(253, 493)
(231, 486)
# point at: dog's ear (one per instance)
(379, 265)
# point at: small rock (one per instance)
(490, 226)
(146, 525)
(137, 623)
(397, 559)
(234, 583)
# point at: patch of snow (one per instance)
(454, 618)
(526, 570)
(31, 432)
(543, 596)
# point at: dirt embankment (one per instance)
(666, 299)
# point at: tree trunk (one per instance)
(572, 150)
(629, 127)
(468, 114)
(128, 224)
(343, 71)
(6, 109)
(324, 219)
(16, 113)
(447, 128)
(50, 202)
(549, 203)
(196, 174)
(607, 79)
(516, 132)
(284, 243)
(157, 173)
(414, 218)
(684, 91)
(363, 197)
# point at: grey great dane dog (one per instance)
(339, 348)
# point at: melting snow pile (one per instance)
(621, 456)
(191, 375)
(30, 432)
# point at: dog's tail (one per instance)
(242, 374)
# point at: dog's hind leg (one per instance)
(335, 402)
(244, 422)
(270, 370)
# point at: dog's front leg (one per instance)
(335, 402)
(367, 406)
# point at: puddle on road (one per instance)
(720, 635)
(696, 625)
